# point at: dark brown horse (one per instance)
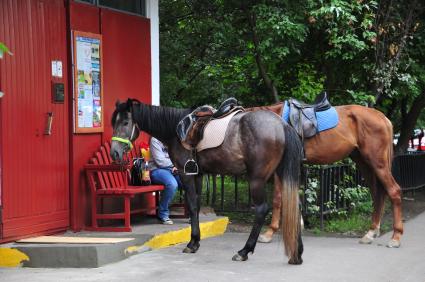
(366, 136)
(257, 143)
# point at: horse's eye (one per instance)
(125, 123)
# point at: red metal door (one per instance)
(34, 164)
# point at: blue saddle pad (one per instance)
(325, 120)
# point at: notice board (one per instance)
(88, 82)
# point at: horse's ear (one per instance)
(117, 103)
(129, 104)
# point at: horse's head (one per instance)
(125, 129)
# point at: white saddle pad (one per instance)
(214, 132)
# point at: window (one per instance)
(87, 1)
(130, 6)
(137, 7)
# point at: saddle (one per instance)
(190, 129)
(302, 116)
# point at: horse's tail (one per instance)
(290, 173)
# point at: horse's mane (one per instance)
(159, 121)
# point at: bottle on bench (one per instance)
(146, 179)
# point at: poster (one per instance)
(88, 82)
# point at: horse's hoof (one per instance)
(191, 250)
(264, 239)
(238, 257)
(366, 239)
(393, 244)
(370, 236)
(188, 250)
(295, 261)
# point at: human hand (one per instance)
(174, 170)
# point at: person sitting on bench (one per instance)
(163, 171)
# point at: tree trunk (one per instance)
(258, 59)
(409, 124)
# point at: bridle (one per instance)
(125, 140)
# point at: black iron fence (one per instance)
(323, 190)
(409, 170)
(326, 189)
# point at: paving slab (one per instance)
(325, 260)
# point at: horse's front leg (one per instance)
(261, 210)
(193, 200)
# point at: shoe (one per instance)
(166, 221)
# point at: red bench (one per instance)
(106, 179)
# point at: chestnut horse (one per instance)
(366, 136)
(257, 143)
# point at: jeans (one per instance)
(171, 182)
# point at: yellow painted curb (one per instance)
(208, 229)
(12, 257)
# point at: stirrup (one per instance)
(191, 167)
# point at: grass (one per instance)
(355, 222)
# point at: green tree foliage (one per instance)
(368, 52)
(3, 50)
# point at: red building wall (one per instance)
(43, 186)
(127, 73)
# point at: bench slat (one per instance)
(105, 175)
(115, 178)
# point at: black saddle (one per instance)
(226, 107)
(302, 116)
(190, 129)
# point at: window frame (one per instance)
(97, 4)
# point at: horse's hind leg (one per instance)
(261, 210)
(378, 197)
(267, 236)
(394, 192)
(381, 168)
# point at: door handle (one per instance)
(48, 130)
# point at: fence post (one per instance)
(222, 191)
(208, 189)
(214, 192)
(236, 193)
(321, 178)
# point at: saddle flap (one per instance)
(184, 126)
(189, 129)
(303, 121)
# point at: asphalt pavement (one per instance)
(325, 259)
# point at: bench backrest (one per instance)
(111, 179)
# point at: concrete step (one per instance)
(146, 235)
